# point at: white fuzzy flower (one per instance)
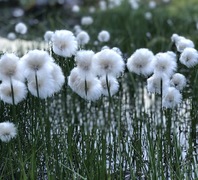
(148, 15)
(7, 131)
(134, 4)
(82, 38)
(41, 87)
(102, 5)
(171, 98)
(64, 43)
(141, 61)
(114, 3)
(152, 4)
(48, 36)
(103, 36)
(89, 88)
(165, 64)
(18, 12)
(84, 62)
(156, 84)
(172, 55)
(77, 29)
(189, 57)
(105, 47)
(175, 38)
(116, 49)
(184, 43)
(36, 62)
(178, 81)
(74, 79)
(108, 62)
(19, 91)
(110, 85)
(11, 36)
(92, 9)
(75, 8)
(86, 20)
(181, 42)
(10, 68)
(21, 28)
(58, 77)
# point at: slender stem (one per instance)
(86, 88)
(12, 91)
(37, 85)
(108, 88)
(13, 101)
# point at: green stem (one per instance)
(12, 91)
(86, 88)
(108, 88)
(37, 85)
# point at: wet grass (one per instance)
(127, 137)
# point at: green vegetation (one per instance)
(67, 137)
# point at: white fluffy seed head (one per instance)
(64, 43)
(175, 38)
(141, 62)
(36, 61)
(108, 62)
(184, 43)
(43, 87)
(7, 131)
(86, 20)
(77, 29)
(156, 84)
(116, 49)
(102, 5)
(148, 15)
(165, 64)
(19, 91)
(181, 42)
(58, 77)
(21, 28)
(89, 88)
(75, 8)
(110, 85)
(10, 67)
(84, 62)
(189, 57)
(178, 81)
(104, 36)
(11, 36)
(152, 4)
(82, 38)
(48, 36)
(171, 98)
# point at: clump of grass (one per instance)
(128, 135)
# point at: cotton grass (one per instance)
(64, 43)
(12, 92)
(8, 131)
(141, 62)
(10, 67)
(108, 62)
(21, 28)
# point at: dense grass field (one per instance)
(129, 135)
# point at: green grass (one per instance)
(66, 137)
